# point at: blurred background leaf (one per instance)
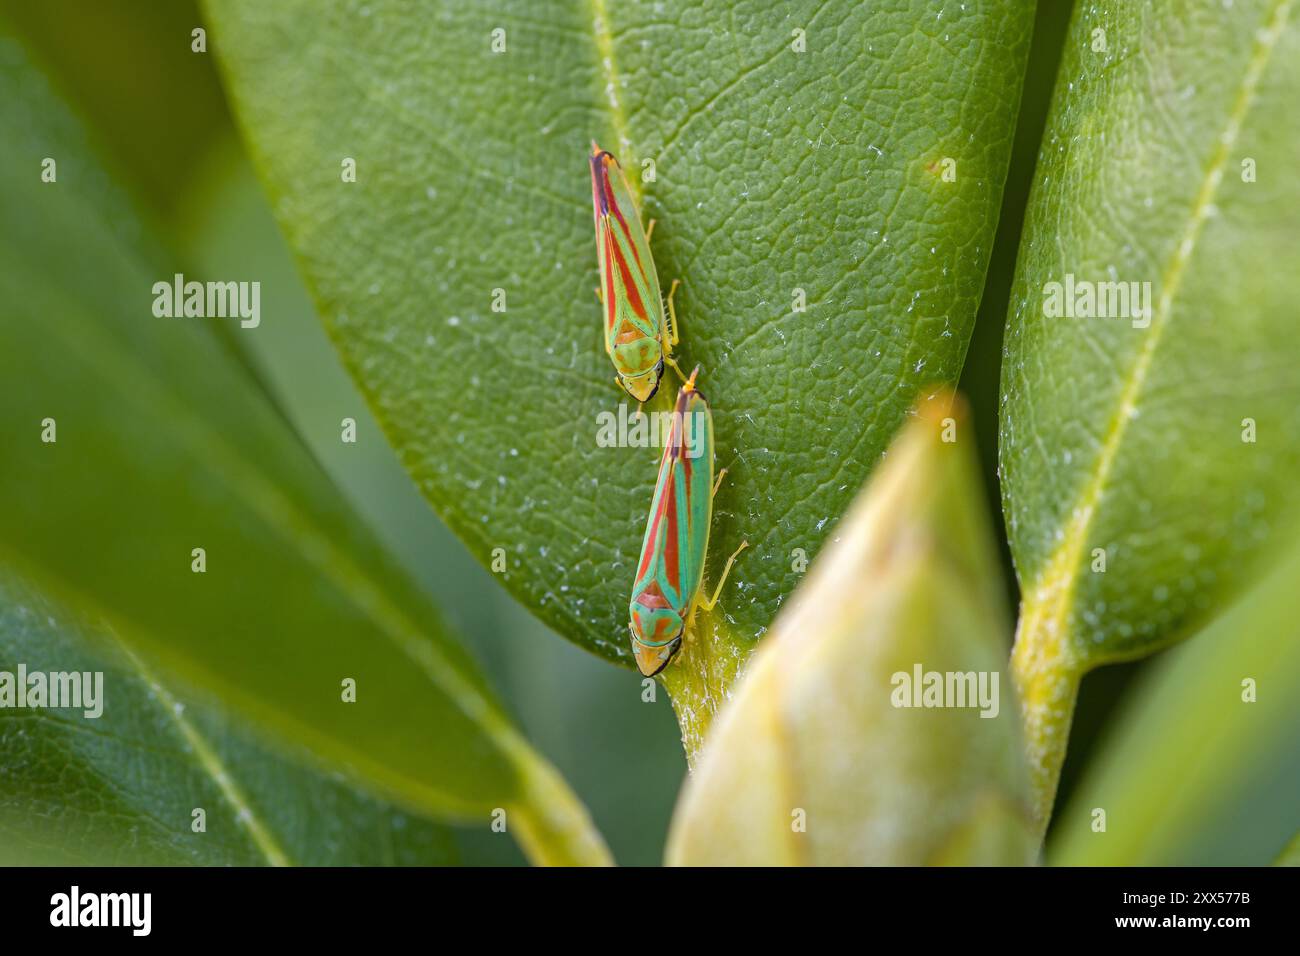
(121, 790)
(814, 762)
(185, 454)
(1290, 855)
(1128, 441)
(129, 66)
(220, 218)
(1191, 772)
(495, 415)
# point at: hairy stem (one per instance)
(1047, 682)
(700, 681)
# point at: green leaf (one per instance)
(1201, 766)
(154, 158)
(121, 788)
(1290, 855)
(165, 445)
(775, 171)
(820, 733)
(1125, 440)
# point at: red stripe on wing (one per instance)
(648, 555)
(612, 206)
(672, 570)
(611, 307)
(666, 463)
(598, 187)
(686, 466)
(654, 523)
(633, 296)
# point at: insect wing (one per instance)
(677, 530)
(629, 283)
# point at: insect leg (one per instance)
(649, 230)
(668, 333)
(671, 317)
(716, 483)
(709, 603)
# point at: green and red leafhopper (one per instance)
(639, 335)
(670, 571)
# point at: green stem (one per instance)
(550, 823)
(700, 681)
(1047, 682)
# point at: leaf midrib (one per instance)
(206, 757)
(609, 72)
(1054, 587)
